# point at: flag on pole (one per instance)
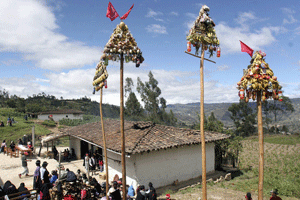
(126, 14)
(245, 48)
(111, 12)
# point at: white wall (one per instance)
(57, 117)
(163, 167)
(115, 167)
(75, 143)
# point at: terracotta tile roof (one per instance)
(70, 111)
(140, 136)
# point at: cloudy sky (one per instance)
(53, 46)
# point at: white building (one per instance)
(60, 114)
(154, 153)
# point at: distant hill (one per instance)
(188, 113)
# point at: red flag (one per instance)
(245, 48)
(111, 12)
(126, 14)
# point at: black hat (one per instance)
(150, 184)
(274, 191)
(38, 162)
(44, 164)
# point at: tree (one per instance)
(128, 85)
(133, 108)
(243, 118)
(213, 124)
(154, 105)
(278, 107)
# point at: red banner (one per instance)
(245, 48)
(111, 12)
(126, 14)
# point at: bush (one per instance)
(49, 123)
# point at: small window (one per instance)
(66, 116)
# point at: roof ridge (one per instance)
(151, 127)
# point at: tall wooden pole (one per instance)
(33, 138)
(261, 147)
(122, 129)
(204, 195)
(104, 143)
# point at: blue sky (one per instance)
(53, 46)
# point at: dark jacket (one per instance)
(152, 194)
(141, 195)
(9, 188)
(116, 195)
(71, 177)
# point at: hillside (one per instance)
(188, 113)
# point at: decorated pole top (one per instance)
(258, 78)
(100, 78)
(122, 42)
(203, 32)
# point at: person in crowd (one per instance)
(97, 187)
(101, 164)
(84, 178)
(24, 165)
(73, 154)
(274, 194)
(1, 192)
(3, 145)
(9, 188)
(2, 124)
(248, 196)
(44, 173)
(8, 121)
(54, 151)
(71, 177)
(78, 175)
(24, 190)
(25, 139)
(168, 197)
(12, 146)
(141, 194)
(152, 192)
(114, 193)
(29, 145)
(20, 142)
(130, 192)
(54, 176)
(92, 164)
(37, 177)
(13, 120)
(86, 162)
(44, 193)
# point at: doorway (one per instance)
(84, 148)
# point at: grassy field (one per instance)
(21, 127)
(282, 165)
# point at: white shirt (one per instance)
(42, 172)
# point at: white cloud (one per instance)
(192, 17)
(31, 29)
(245, 17)
(174, 13)
(222, 68)
(155, 15)
(290, 19)
(230, 36)
(156, 28)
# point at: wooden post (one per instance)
(122, 129)
(47, 147)
(204, 195)
(261, 146)
(59, 161)
(33, 138)
(104, 142)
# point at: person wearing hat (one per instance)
(141, 194)
(248, 196)
(54, 176)
(44, 173)
(168, 197)
(36, 176)
(114, 193)
(152, 192)
(274, 194)
(86, 164)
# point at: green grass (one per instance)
(75, 122)
(20, 128)
(280, 139)
(281, 168)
